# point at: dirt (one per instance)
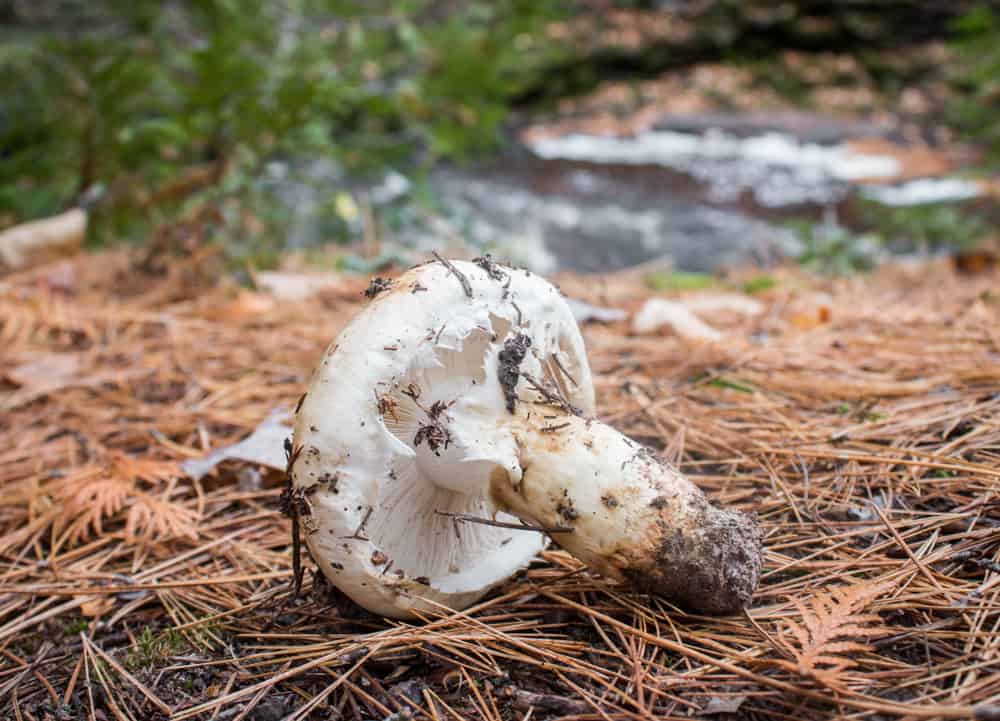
(713, 563)
(492, 268)
(508, 371)
(566, 508)
(377, 285)
(435, 434)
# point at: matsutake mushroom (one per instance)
(449, 429)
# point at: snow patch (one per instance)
(924, 190)
(777, 168)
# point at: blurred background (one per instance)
(583, 136)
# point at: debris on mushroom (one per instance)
(457, 452)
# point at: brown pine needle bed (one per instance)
(860, 418)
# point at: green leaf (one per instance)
(678, 280)
(759, 284)
(723, 382)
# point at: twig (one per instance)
(364, 522)
(500, 524)
(552, 397)
(553, 429)
(562, 369)
(466, 285)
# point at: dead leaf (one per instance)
(974, 262)
(807, 320)
(725, 303)
(61, 279)
(96, 606)
(723, 704)
(159, 519)
(297, 286)
(44, 370)
(88, 502)
(265, 446)
(246, 304)
(811, 311)
(657, 312)
(584, 312)
(828, 639)
(40, 240)
(48, 373)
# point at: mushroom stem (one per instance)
(635, 517)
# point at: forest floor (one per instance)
(859, 417)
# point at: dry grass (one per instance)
(864, 428)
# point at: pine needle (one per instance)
(183, 589)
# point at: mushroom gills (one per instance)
(443, 414)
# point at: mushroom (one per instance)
(450, 426)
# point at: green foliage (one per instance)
(784, 80)
(977, 44)
(931, 226)
(75, 628)
(833, 249)
(678, 280)
(733, 384)
(151, 647)
(759, 284)
(729, 384)
(140, 97)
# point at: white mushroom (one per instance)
(456, 403)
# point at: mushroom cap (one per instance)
(406, 420)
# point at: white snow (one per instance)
(776, 167)
(924, 190)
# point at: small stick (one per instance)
(551, 397)
(520, 318)
(364, 522)
(466, 286)
(500, 524)
(290, 508)
(297, 572)
(553, 429)
(562, 368)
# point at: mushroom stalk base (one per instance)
(633, 517)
